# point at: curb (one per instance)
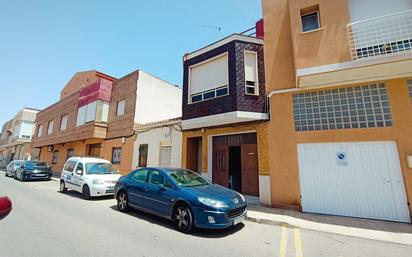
(268, 222)
(369, 234)
(55, 179)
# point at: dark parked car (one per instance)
(12, 167)
(34, 170)
(5, 206)
(181, 196)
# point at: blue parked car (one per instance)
(181, 196)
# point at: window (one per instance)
(410, 89)
(251, 73)
(100, 168)
(364, 106)
(156, 178)
(55, 157)
(116, 155)
(79, 168)
(120, 107)
(50, 127)
(39, 130)
(207, 77)
(63, 122)
(102, 112)
(143, 149)
(94, 150)
(310, 18)
(221, 91)
(165, 156)
(70, 153)
(140, 175)
(95, 111)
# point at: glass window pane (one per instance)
(208, 95)
(140, 175)
(221, 91)
(196, 98)
(310, 22)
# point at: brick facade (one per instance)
(123, 89)
(237, 100)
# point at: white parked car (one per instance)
(89, 176)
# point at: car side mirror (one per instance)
(161, 187)
(79, 172)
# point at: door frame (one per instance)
(210, 149)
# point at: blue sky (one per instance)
(43, 43)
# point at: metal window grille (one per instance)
(165, 156)
(410, 89)
(384, 35)
(364, 106)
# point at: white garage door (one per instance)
(362, 179)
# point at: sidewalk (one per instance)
(386, 231)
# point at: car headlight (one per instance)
(212, 202)
(97, 182)
(243, 198)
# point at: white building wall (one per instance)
(369, 9)
(26, 129)
(156, 99)
(155, 138)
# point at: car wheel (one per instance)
(21, 178)
(63, 188)
(183, 218)
(6, 174)
(122, 202)
(86, 192)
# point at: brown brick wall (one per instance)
(79, 80)
(68, 105)
(123, 89)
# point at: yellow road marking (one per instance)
(298, 243)
(283, 242)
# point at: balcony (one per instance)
(380, 48)
(381, 36)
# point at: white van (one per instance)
(89, 176)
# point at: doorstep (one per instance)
(393, 232)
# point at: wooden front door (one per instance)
(221, 165)
(250, 177)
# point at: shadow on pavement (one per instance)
(360, 223)
(205, 233)
(78, 195)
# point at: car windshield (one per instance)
(100, 168)
(17, 164)
(32, 164)
(187, 178)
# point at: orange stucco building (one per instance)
(339, 83)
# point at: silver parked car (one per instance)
(12, 167)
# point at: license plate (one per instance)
(39, 175)
(238, 220)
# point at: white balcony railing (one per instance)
(384, 35)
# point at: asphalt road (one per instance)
(47, 223)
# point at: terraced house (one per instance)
(97, 115)
(15, 137)
(224, 114)
(339, 82)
